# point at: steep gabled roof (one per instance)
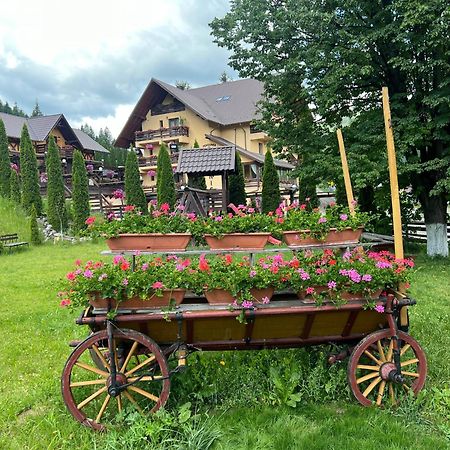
(225, 104)
(88, 143)
(13, 124)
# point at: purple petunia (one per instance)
(88, 273)
(332, 285)
(379, 309)
(367, 277)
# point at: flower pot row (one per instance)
(178, 242)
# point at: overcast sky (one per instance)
(92, 59)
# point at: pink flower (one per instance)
(347, 255)
(383, 265)
(88, 273)
(322, 220)
(102, 277)
(367, 277)
(144, 267)
(191, 216)
(157, 285)
(78, 262)
(218, 219)
(129, 208)
(379, 309)
(252, 273)
(151, 173)
(251, 210)
(111, 216)
(119, 194)
(332, 285)
(310, 290)
(246, 304)
(179, 267)
(165, 207)
(117, 259)
(125, 281)
(71, 276)
(343, 217)
(89, 220)
(181, 207)
(137, 253)
(265, 300)
(64, 302)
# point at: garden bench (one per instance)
(11, 241)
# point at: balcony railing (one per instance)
(152, 160)
(161, 133)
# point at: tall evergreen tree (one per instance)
(5, 164)
(36, 236)
(56, 210)
(165, 184)
(80, 192)
(15, 191)
(271, 198)
(28, 169)
(236, 184)
(197, 182)
(36, 111)
(134, 193)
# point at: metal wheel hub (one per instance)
(121, 380)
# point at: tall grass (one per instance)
(13, 220)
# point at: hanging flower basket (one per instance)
(150, 242)
(236, 241)
(135, 303)
(302, 238)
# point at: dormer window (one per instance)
(224, 98)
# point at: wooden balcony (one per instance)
(162, 133)
(150, 161)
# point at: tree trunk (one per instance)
(435, 212)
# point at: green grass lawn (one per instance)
(244, 411)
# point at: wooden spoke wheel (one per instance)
(372, 364)
(142, 377)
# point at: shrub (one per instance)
(165, 184)
(133, 188)
(5, 165)
(56, 210)
(196, 182)
(29, 172)
(15, 191)
(237, 184)
(271, 185)
(80, 192)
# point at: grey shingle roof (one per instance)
(208, 161)
(88, 143)
(13, 125)
(40, 127)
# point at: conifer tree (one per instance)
(134, 193)
(165, 184)
(5, 164)
(15, 191)
(237, 184)
(56, 210)
(308, 191)
(270, 185)
(197, 182)
(28, 169)
(80, 192)
(36, 237)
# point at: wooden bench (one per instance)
(10, 241)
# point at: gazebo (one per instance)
(206, 162)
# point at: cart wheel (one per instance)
(140, 363)
(372, 361)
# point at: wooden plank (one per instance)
(350, 322)
(308, 325)
(347, 181)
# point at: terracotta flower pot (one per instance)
(259, 294)
(302, 295)
(301, 238)
(219, 297)
(176, 242)
(236, 241)
(135, 303)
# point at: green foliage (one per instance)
(271, 198)
(15, 191)
(116, 156)
(36, 110)
(337, 57)
(35, 233)
(134, 193)
(307, 193)
(28, 168)
(196, 182)
(56, 209)
(236, 184)
(15, 110)
(165, 184)
(80, 192)
(5, 164)
(13, 219)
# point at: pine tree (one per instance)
(270, 185)
(5, 164)
(28, 169)
(56, 210)
(237, 184)
(36, 237)
(80, 192)
(196, 182)
(134, 193)
(37, 110)
(165, 184)
(15, 191)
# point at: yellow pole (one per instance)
(347, 181)
(395, 197)
(396, 214)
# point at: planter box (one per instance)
(223, 297)
(301, 239)
(345, 295)
(237, 241)
(259, 294)
(135, 303)
(176, 242)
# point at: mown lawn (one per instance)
(244, 409)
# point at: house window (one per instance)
(250, 171)
(161, 124)
(260, 148)
(175, 122)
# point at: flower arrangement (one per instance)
(159, 220)
(117, 280)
